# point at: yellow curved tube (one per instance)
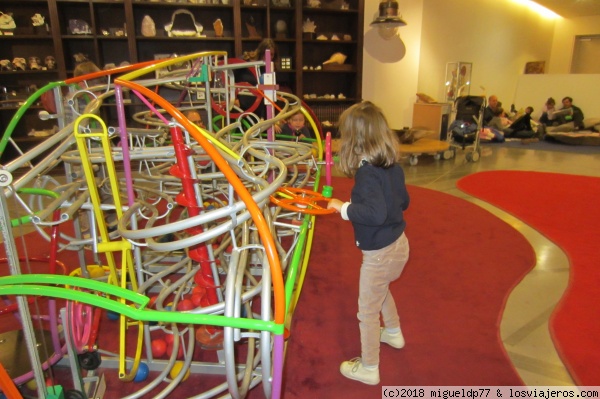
(109, 247)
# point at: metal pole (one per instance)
(15, 269)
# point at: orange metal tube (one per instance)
(7, 385)
(257, 216)
(113, 71)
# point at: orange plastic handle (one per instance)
(300, 200)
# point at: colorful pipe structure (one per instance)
(177, 228)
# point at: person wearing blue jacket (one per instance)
(368, 153)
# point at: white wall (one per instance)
(564, 40)
(583, 88)
(391, 67)
(497, 36)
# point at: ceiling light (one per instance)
(540, 9)
(388, 21)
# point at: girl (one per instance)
(548, 117)
(369, 154)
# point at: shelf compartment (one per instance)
(204, 15)
(334, 84)
(148, 49)
(275, 16)
(110, 17)
(26, 49)
(73, 47)
(111, 52)
(254, 23)
(332, 6)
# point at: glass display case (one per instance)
(458, 80)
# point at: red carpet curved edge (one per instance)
(450, 298)
(564, 208)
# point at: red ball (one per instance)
(184, 305)
(197, 299)
(169, 338)
(159, 347)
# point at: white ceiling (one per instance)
(572, 8)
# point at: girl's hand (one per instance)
(335, 204)
(277, 128)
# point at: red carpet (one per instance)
(565, 209)
(450, 300)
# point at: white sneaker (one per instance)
(393, 340)
(354, 370)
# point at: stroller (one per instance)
(464, 130)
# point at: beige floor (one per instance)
(524, 327)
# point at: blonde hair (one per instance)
(366, 135)
(87, 67)
(259, 53)
(84, 68)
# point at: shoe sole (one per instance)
(393, 346)
(389, 343)
(351, 377)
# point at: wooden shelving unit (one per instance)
(115, 36)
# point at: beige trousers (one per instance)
(379, 268)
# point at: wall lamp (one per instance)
(388, 21)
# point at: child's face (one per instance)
(297, 121)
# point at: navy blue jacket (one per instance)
(378, 199)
